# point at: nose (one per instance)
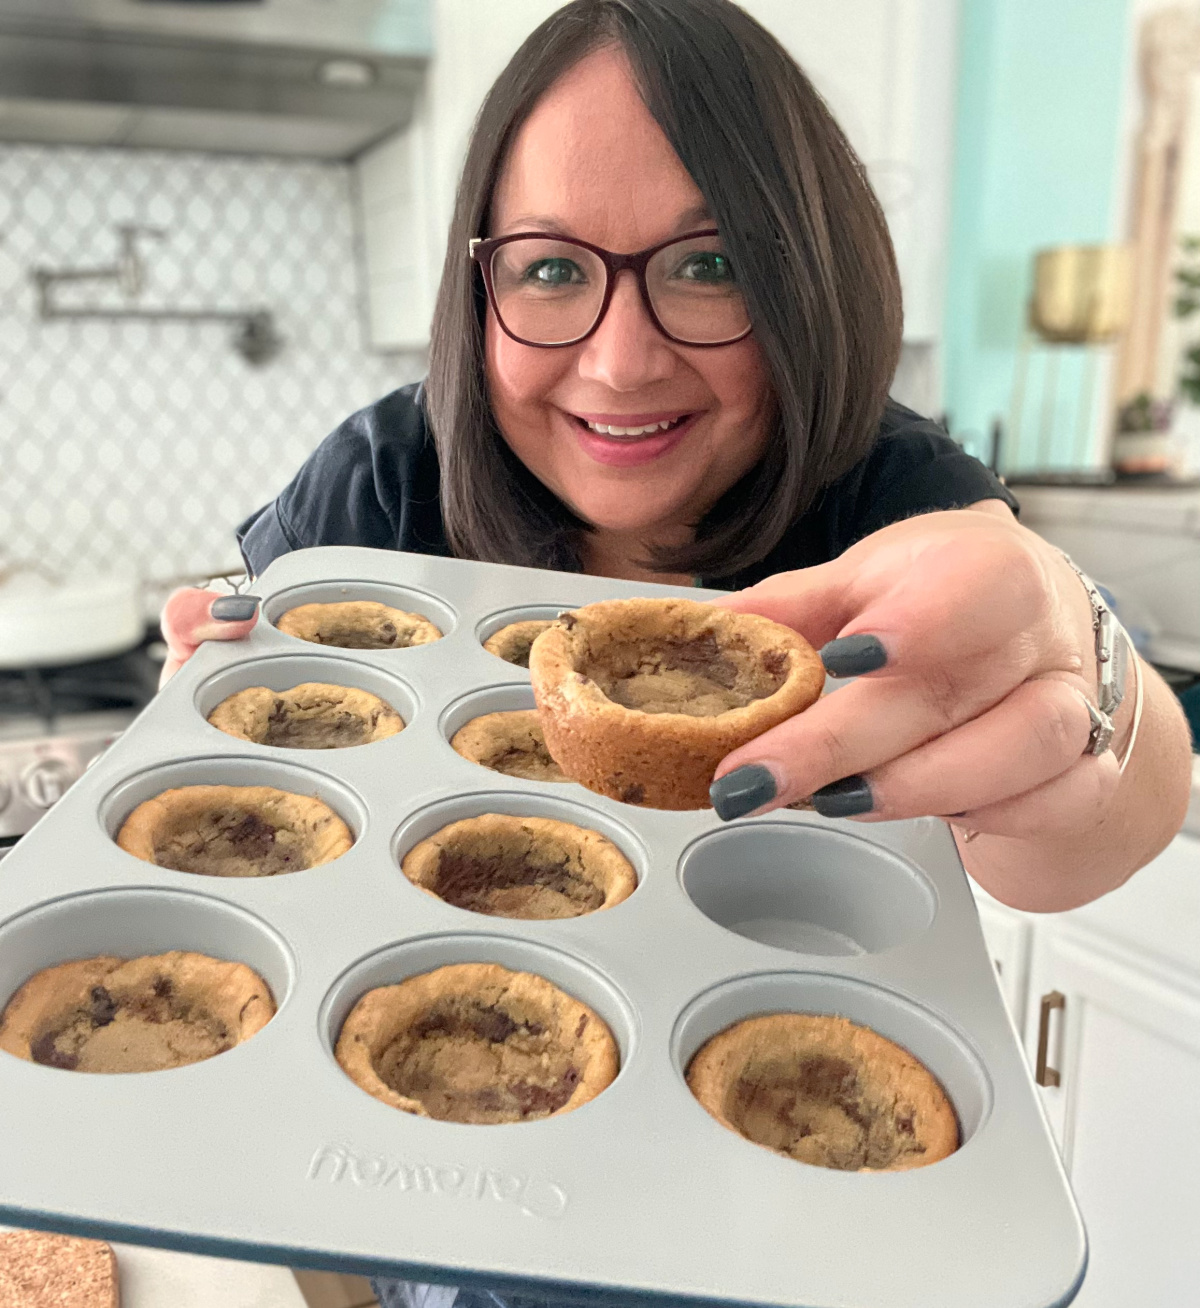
(627, 351)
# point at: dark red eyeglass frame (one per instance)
(482, 251)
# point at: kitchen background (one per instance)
(136, 445)
(199, 280)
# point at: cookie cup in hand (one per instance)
(641, 699)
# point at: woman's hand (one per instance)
(191, 616)
(975, 641)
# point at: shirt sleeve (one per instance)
(916, 468)
(356, 488)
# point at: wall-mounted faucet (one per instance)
(255, 337)
(128, 271)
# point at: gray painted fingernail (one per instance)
(845, 798)
(851, 656)
(234, 608)
(742, 791)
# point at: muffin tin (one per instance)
(270, 1152)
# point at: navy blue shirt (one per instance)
(375, 482)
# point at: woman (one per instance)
(716, 410)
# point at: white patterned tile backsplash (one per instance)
(140, 445)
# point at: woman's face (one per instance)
(590, 162)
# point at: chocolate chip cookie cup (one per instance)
(824, 1091)
(146, 1014)
(641, 699)
(510, 742)
(313, 715)
(477, 1043)
(513, 642)
(357, 624)
(521, 867)
(234, 831)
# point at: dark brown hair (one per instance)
(804, 232)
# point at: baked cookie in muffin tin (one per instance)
(270, 1150)
(234, 831)
(134, 1015)
(476, 1042)
(309, 716)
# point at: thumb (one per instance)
(817, 602)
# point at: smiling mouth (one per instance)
(611, 431)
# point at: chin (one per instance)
(626, 519)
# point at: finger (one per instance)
(1032, 736)
(191, 616)
(817, 602)
(1068, 803)
(853, 731)
(921, 599)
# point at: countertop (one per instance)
(158, 1278)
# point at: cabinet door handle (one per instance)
(1045, 1074)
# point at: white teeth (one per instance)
(606, 430)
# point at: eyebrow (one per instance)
(697, 216)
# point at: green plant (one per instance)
(1144, 413)
(1187, 303)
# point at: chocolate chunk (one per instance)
(824, 1078)
(543, 1099)
(568, 620)
(163, 987)
(388, 631)
(635, 794)
(491, 1024)
(44, 1051)
(250, 836)
(774, 662)
(702, 657)
(469, 881)
(104, 1007)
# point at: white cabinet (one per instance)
(1115, 988)
(1126, 1044)
(1007, 939)
(886, 67)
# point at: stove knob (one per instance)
(45, 782)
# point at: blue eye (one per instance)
(705, 266)
(554, 272)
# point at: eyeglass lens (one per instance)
(551, 291)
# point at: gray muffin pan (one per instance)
(270, 1152)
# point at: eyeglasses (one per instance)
(551, 291)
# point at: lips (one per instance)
(629, 426)
(628, 440)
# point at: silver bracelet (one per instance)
(1113, 648)
(1137, 706)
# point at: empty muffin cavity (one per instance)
(521, 867)
(511, 742)
(234, 831)
(314, 715)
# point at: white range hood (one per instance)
(323, 78)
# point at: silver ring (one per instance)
(1101, 734)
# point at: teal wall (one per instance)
(1035, 160)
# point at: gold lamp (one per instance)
(1082, 296)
